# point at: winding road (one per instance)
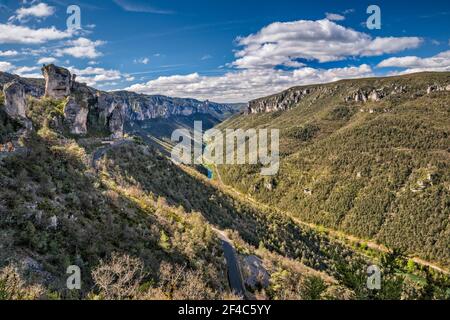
(235, 279)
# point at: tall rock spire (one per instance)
(58, 81)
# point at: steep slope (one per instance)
(57, 210)
(369, 157)
(141, 227)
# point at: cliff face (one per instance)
(139, 107)
(15, 92)
(86, 107)
(351, 91)
(15, 99)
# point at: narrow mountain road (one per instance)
(338, 235)
(234, 271)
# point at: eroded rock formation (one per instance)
(84, 106)
(115, 123)
(15, 94)
(58, 81)
(76, 114)
(282, 101)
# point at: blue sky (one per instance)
(227, 51)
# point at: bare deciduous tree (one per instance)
(119, 278)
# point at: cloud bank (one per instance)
(276, 57)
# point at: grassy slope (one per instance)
(363, 168)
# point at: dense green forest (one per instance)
(378, 169)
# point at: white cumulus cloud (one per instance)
(8, 53)
(5, 66)
(28, 72)
(81, 48)
(282, 43)
(93, 76)
(47, 60)
(439, 62)
(244, 85)
(289, 45)
(24, 70)
(41, 10)
(334, 16)
(10, 33)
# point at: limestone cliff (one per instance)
(353, 91)
(15, 93)
(89, 109)
(15, 99)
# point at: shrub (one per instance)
(12, 287)
(119, 278)
(304, 133)
(340, 113)
(312, 288)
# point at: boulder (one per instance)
(373, 96)
(255, 275)
(360, 97)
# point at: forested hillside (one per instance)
(369, 157)
(138, 226)
(141, 227)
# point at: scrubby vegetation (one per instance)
(377, 170)
(140, 227)
(56, 211)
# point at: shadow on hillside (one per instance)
(156, 174)
(52, 183)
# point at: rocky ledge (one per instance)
(355, 91)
